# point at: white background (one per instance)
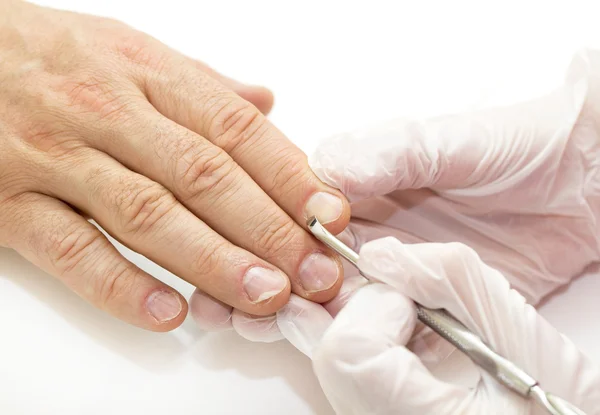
(333, 66)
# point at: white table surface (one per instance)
(333, 66)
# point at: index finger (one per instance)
(193, 99)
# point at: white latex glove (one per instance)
(520, 185)
(364, 366)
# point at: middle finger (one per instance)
(146, 217)
(216, 189)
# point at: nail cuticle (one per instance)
(262, 284)
(163, 306)
(325, 206)
(318, 272)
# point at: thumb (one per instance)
(452, 276)
(478, 153)
(364, 367)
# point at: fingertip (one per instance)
(256, 329)
(303, 323)
(330, 207)
(349, 287)
(343, 219)
(322, 267)
(268, 305)
(166, 309)
(262, 98)
(209, 313)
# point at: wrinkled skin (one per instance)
(100, 121)
(520, 185)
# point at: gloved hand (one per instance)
(364, 362)
(520, 185)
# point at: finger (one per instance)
(452, 276)
(256, 328)
(206, 107)
(449, 276)
(52, 236)
(360, 232)
(266, 330)
(209, 313)
(212, 315)
(350, 286)
(303, 323)
(148, 219)
(475, 154)
(214, 188)
(364, 367)
(258, 96)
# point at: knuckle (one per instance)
(43, 128)
(236, 123)
(204, 171)
(114, 285)
(141, 50)
(14, 213)
(290, 173)
(95, 96)
(70, 249)
(278, 234)
(16, 179)
(207, 261)
(143, 208)
(48, 136)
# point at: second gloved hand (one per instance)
(369, 360)
(520, 185)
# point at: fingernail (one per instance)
(325, 206)
(163, 306)
(318, 272)
(261, 283)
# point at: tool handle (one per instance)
(471, 345)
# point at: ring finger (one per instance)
(215, 188)
(146, 217)
(52, 236)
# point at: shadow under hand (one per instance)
(160, 349)
(227, 351)
(156, 352)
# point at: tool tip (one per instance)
(312, 221)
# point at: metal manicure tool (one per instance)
(440, 321)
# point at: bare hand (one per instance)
(172, 159)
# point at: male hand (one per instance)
(172, 159)
(520, 185)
